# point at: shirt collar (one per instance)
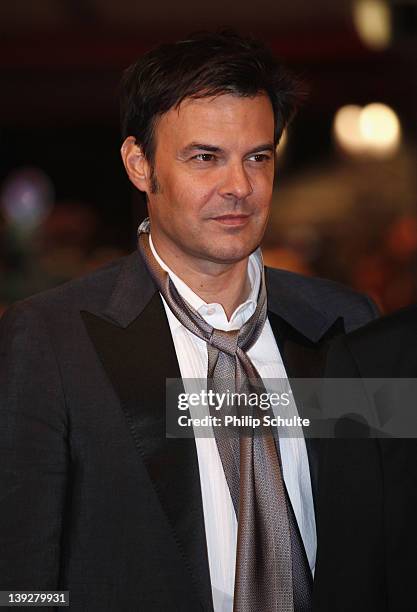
(214, 313)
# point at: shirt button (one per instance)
(210, 311)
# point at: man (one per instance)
(97, 499)
(382, 354)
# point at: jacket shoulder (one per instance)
(88, 291)
(326, 296)
(387, 346)
(314, 287)
(383, 348)
(400, 322)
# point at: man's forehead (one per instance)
(218, 113)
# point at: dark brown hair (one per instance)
(204, 64)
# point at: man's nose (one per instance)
(236, 182)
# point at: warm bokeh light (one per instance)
(372, 20)
(374, 130)
(346, 129)
(380, 128)
(282, 144)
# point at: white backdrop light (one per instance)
(381, 128)
(372, 19)
(374, 130)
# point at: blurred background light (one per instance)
(346, 129)
(374, 130)
(27, 197)
(380, 128)
(373, 22)
(281, 146)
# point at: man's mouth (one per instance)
(234, 220)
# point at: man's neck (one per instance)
(225, 284)
(229, 288)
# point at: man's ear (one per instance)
(136, 164)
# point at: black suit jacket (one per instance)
(386, 348)
(94, 497)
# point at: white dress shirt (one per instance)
(219, 514)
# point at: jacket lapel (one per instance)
(133, 341)
(302, 335)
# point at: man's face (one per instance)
(214, 169)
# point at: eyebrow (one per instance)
(198, 146)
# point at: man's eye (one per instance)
(205, 157)
(259, 157)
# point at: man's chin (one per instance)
(229, 256)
